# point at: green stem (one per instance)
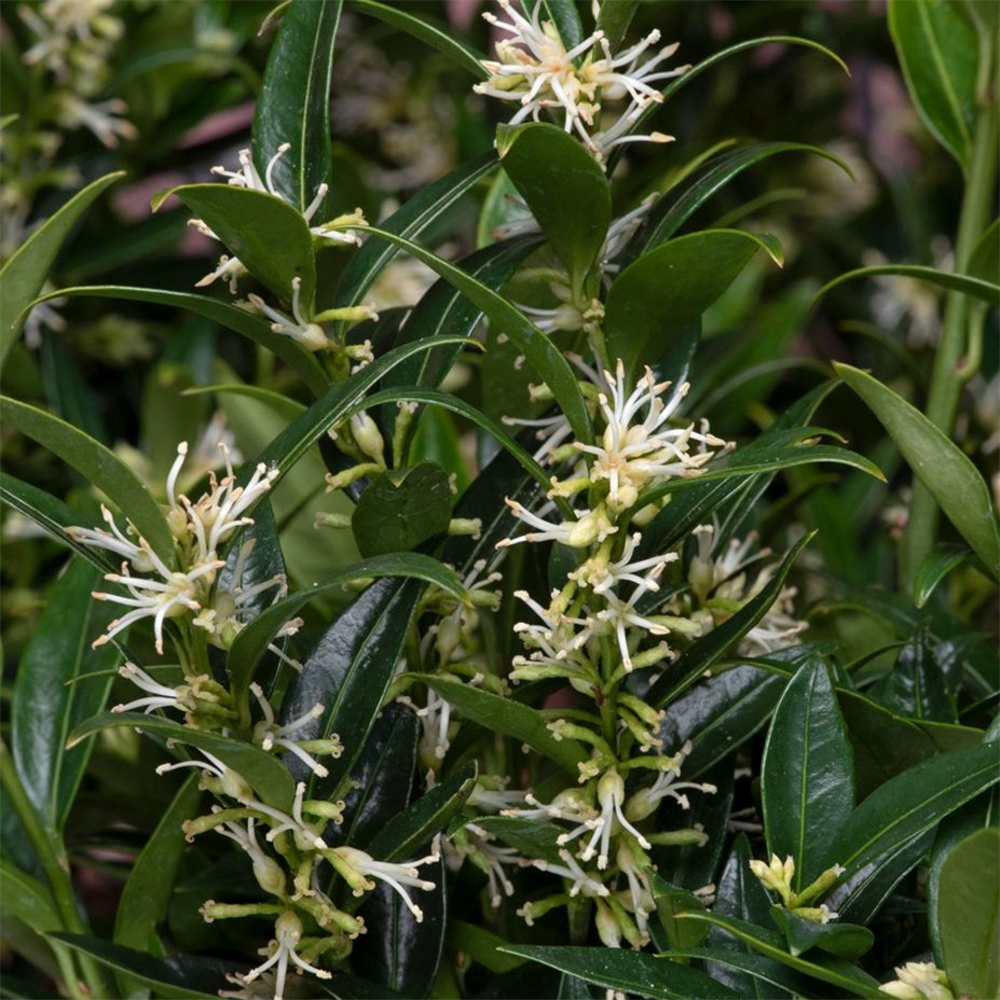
(55, 867)
(957, 338)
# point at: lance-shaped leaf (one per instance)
(427, 31)
(656, 298)
(942, 467)
(418, 215)
(838, 938)
(509, 717)
(100, 466)
(828, 969)
(348, 674)
(630, 972)
(27, 899)
(24, 274)
(934, 567)
(241, 321)
(911, 803)
(985, 289)
(252, 641)
(542, 355)
(807, 782)
(562, 15)
(938, 53)
(293, 106)
(968, 914)
(264, 772)
(184, 977)
(565, 189)
(707, 650)
(60, 683)
(269, 236)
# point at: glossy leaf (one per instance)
(398, 951)
(969, 914)
(269, 236)
(242, 321)
(149, 887)
(61, 682)
(911, 803)
(184, 977)
(936, 565)
(419, 214)
(671, 903)
(100, 466)
(938, 53)
(265, 772)
(252, 641)
(670, 212)
(509, 717)
(807, 781)
(614, 18)
(401, 510)
(532, 837)
(658, 296)
(836, 937)
(348, 673)
(542, 355)
(628, 971)
(828, 969)
(51, 514)
(24, 274)
(916, 686)
(942, 467)
(383, 775)
(705, 651)
(293, 105)
(564, 187)
(562, 15)
(412, 829)
(756, 975)
(427, 31)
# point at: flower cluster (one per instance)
(183, 585)
(777, 877)
(534, 68)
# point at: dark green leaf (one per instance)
(942, 467)
(420, 212)
(413, 828)
(532, 837)
(565, 189)
(252, 641)
(938, 53)
(670, 213)
(707, 650)
(294, 103)
(185, 977)
(671, 902)
(937, 564)
(53, 693)
(149, 887)
(629, 971)
(401, 510)
(242, 321)
(265, 772)
(562, 15)
(912, 802)
(51, 514)
(916, 686)
(969, 914)
(24, 274)
(543, 356)
(348, 673)
(614, 19)
(509, 717)
(987, 290)
(100, 466)
(836, 938)
(829, 969)
(269, 236)
(427, 31)
(807, 782)
(662, 293)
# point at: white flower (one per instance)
(603, 576)
(610, 797)
(269, 735)
(282, 950)
(474, 844)
(647, 800)
(309, 335)
(158, 695)
(580, 881)
(589, 527)
(103, 118)
(919, 981)
(636, 453)
(534, 68)
(355, 865)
